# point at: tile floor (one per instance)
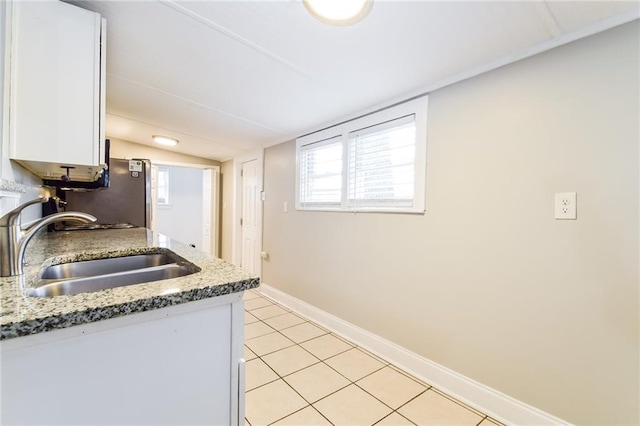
(301, 374)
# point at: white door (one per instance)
(249, 220)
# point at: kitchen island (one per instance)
(163, 352)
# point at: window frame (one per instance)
(416, 107)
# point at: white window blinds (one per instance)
(381, 164)
(320, 166)
(373, 163)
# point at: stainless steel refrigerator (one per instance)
(127, 199)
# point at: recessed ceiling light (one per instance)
(339, 12)
(165, 140)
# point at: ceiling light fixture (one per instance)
(165, 140)
(339, 12)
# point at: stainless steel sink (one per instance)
(100, 274)
(90, 268)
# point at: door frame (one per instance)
(215, 198)
(236, 242)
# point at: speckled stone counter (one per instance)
(22, 315)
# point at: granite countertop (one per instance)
(22, 315)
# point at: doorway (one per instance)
(184, 204)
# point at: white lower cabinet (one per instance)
(179, 365)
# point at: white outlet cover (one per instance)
(565, 205)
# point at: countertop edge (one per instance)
(53, 322)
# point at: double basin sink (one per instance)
(100, 274)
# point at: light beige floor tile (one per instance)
(284, 321)
(258, 302)
(394, 419)
(249, 294)
(431, 408)
(272, 402)
(248, 354)
(391, 387)
(248, 318)
(258, 373)
(268, 343)
(316, 382)
(306, 417)
(290, 360)
(326, 346)
(268, 312)
(354, 364)
(352, 406)
(301, 332)
(256, 329)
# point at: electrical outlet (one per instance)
(565, 206)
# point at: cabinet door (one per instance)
(162, 367)
(55, 83)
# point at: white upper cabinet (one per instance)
(57, 71)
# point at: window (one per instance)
(374, 163)
(163, 186)
(321, 173)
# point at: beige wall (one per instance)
(226, 207)
(125, 149)
(487, 283)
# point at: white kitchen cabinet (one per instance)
(57, 97)
(179, 365)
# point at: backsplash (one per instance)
(13, 194)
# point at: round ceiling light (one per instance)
(339, 12)
(165, 140)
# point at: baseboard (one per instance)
(483, 398)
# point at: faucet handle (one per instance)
(11, 218)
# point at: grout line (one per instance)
(304, 341)
(463, 405)
(373, 396)
(481, 420)
(290, 414)
(274, 330)
(253, 338)
(284, 347)
(269, 382)
(332, 393)
(391, 413)
(417, 396)
(404, 417)
(336, 354)
(409, 376)
(285, 328)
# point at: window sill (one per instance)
(362, 210)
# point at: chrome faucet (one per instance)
(14, 237)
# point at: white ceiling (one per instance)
(226, 77)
